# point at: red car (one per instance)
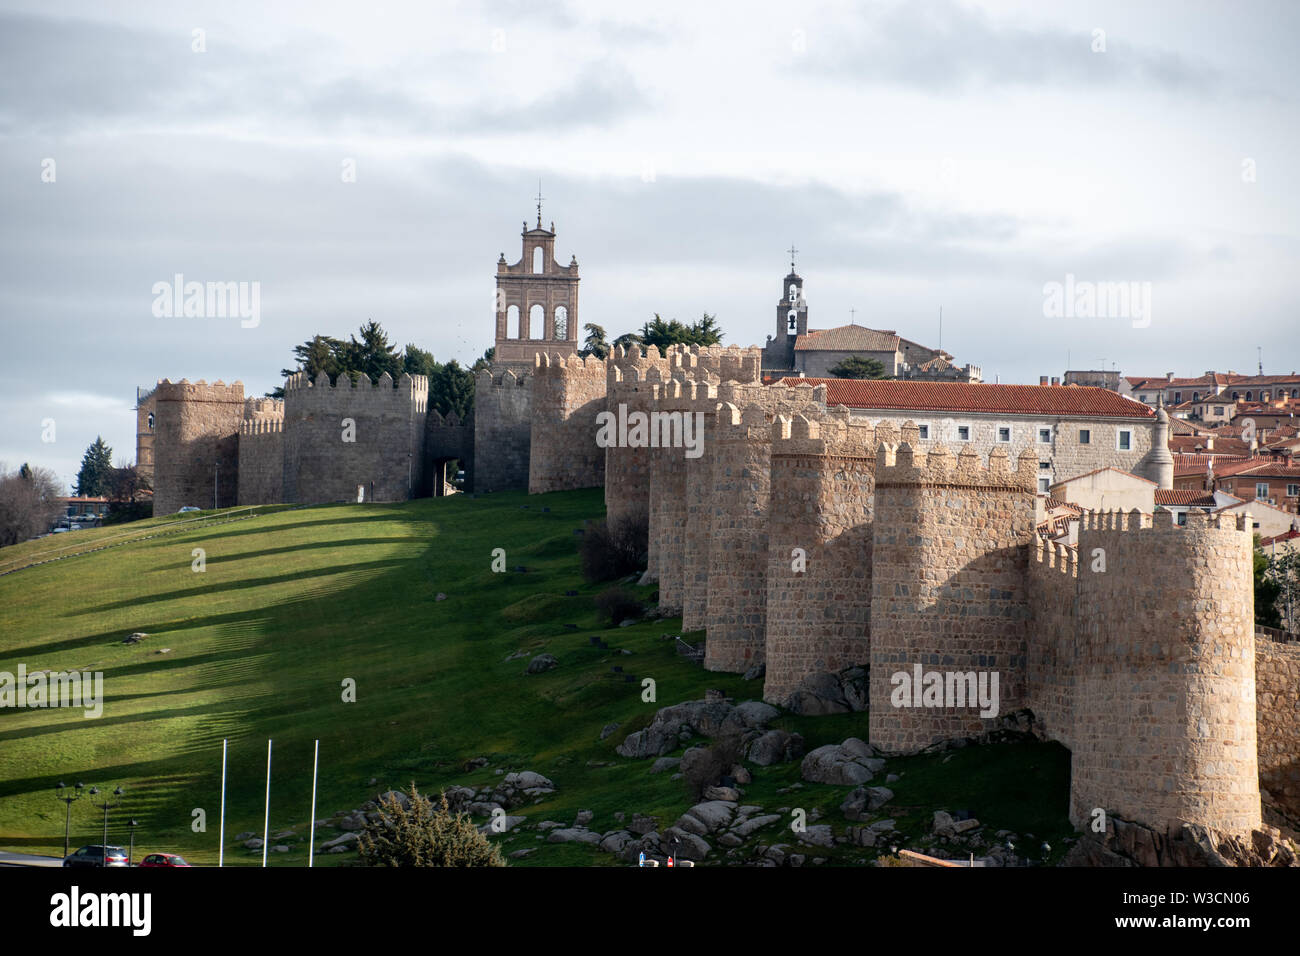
(163, 859)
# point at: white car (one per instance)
(187, 509)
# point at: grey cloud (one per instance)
(64, 76)
(942, 47)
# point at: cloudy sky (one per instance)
(920, 155)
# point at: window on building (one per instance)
(1045, 436)
(537, 260)
(1236, 395)
(1143, 397)
(1261, 489)
(963, 433)
(1248, 394)
(1044, 466)
(793, 318)
(1004, 433)
(1124, 439)
(1295, 393)
(924, 432)
(512, 322)
(1085, 436)
(1196, 396)
(1178, 397)
(536, 321)
(1181, 517)
(1293, 491)
(1044, 485)
(561, 323)
(1218, 409)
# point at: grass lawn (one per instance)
(294, 601)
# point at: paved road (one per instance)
(26, 859)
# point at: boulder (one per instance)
(254, 844)
(402, 799)
(753, 824)
(702, 718)
(665, 763)
(642, 824)
(687, 845)
(830, 693)
(819, 835)
(340, 842)
(608, 729)
(834, 764)
(615, 841)
(707, 817)
(584, 817)
(757, 672)
(573, 835)
(862, 801)
(741, 775)
(730, 794)
(775, 746)
(540, 663)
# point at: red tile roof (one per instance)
(1184, 496)
(1071, 400)
(848, 338)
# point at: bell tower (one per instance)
(536, 300)
(791, 322)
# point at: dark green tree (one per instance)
(485, 361)
(371, 355)
(1267, 590)
(451, 389)
(416, 361)
(96, 470)
(595, 343)
(858, 366)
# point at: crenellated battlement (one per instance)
(502, 379)
(263, 408)
(905, 464)
(200, 391)
(252, 427)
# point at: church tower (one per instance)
(791, 322)
(536, 300)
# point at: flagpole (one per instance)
(311, 821)
(266, 822)
(221, 846)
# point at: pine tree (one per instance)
(419, 835)
(96, 470)
(451, 389)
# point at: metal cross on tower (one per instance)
(793, 250)
(540, 197)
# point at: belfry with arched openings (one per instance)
(536, 301)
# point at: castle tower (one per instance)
(1165, 718)
(196, 444)
(819, 561)
(791, 322)
(948, 591)
(536, 301)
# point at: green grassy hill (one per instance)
(294, 601)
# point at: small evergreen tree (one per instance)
(420, 835)
(96, 469)
(595, 343)
(858, 366)
(451, 389)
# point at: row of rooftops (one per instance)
(970, 397)
(1209, 379)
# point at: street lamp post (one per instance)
(106, 806)
(130, 854)
(61, 793)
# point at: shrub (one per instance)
(614, 551)
(618, 604)
(419, 835)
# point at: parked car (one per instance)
(187, 509)
(163, 859)
(97, 856)
(74, 527)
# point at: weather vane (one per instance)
(793, 250)
(540, 197)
